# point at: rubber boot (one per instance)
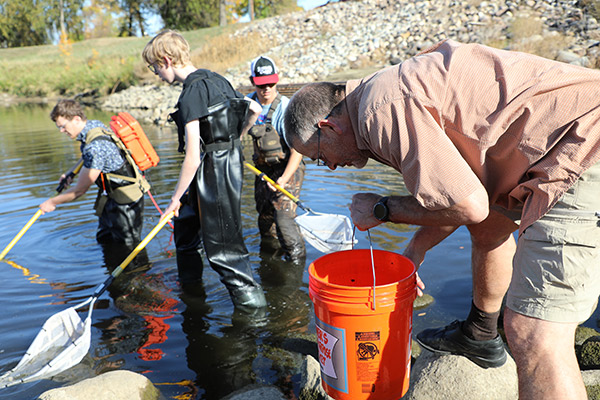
(290, 238)
(248, 297)
(188, 242)
(266, 225)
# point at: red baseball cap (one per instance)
(263, 71)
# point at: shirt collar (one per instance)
(89, 125)
(352, 102)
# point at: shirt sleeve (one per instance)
(193, 102)
(410, 138)
(278, 121)
(102, 155)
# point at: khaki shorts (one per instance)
(556, 268)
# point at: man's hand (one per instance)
(420, 285)
(361, 210)
(66, 179)
(417, 258)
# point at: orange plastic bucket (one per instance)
(364, 344)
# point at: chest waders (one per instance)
(276, 212)
(120, 201)
(218, 185)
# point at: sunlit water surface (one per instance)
(190, 347)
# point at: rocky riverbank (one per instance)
(340, 40)
(432, 377)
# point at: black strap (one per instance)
(273, 107)
(230, 145)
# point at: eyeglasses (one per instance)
(152, 67)
(265, 85)
(320, 160)
(63, 126)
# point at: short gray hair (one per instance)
(308, 106)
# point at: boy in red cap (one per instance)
(272, 155)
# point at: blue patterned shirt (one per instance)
(100, 154)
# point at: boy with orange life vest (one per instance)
(120, 201)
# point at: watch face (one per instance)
(380, 211)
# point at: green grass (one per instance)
(97, 64)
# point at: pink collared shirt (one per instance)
(459, 116)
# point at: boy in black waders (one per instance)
(211, 116)
(120, 201)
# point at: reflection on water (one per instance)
(191, 347)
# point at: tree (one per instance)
(22, 23)
(65, 18)
(35, 22)
(265, 8)
(134, 20)
(222, 12)
(251, 9)
(103, 18)
(187, 15)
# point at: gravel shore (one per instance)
(349, 36)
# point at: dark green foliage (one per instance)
(134, 21)
(22, 23)
(186, 15)
(36, 22)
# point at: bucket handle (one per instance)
(372, 267)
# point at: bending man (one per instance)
(496, 141)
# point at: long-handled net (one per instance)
(62, 343)
(21, 233)
(64, 338)
(325, 232)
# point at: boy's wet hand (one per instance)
(173, 206)
(47, 206)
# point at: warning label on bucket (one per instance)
(332, 355)
(368, 355)
(327, 342)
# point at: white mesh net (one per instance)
(62, 343)
(327, 232)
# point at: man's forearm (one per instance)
(425, 238)
(407, 210)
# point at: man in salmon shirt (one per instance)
(497, 141)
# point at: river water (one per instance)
(189, 347)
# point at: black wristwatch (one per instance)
(381, 210)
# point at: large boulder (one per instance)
(114, 385)
(256, 392)
(311, 387)
(445, 377)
